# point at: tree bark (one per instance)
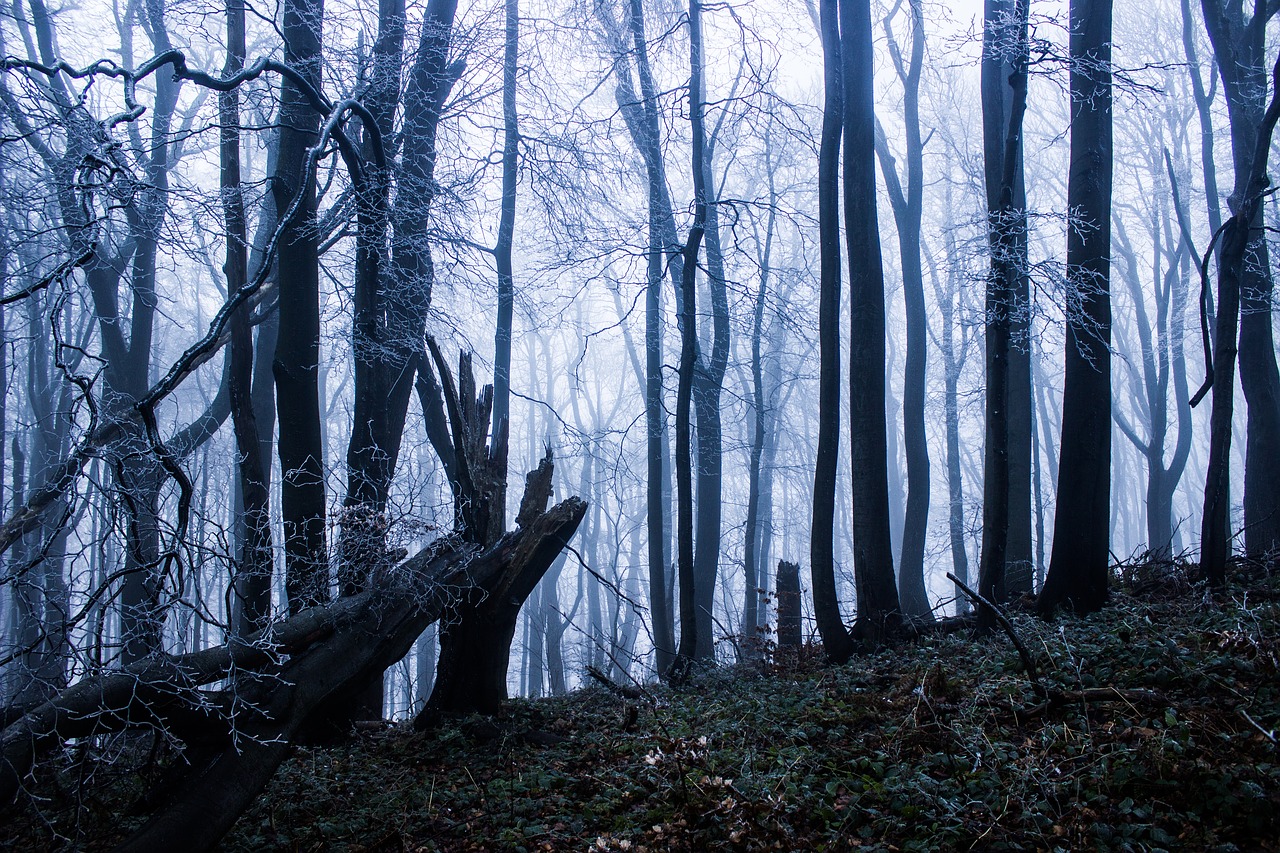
(252, 604)
(1079, 564)
(878, 608)
(296, 366)
(836, 640)
(788, 586)
(1005, 56)
(507, 219)
(1244, 294)
(475, 641)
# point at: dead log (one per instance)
(281, 677)
(161, 686)
(220, 789)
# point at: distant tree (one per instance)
(1162, 362)
(908, 209)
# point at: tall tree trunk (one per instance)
(908, 208)
(506, 220)
(1244, 292)
(826, 603)
(708, 383)
(951, 364)
(252, 603)
(1079, 563)
(1004, 63)
(296, 366)
(412, 270)
(629, 43)
(690, 620)
(753, 579)
(878, 608)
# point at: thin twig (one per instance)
(1269, 735)
(1027, 661)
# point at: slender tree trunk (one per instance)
(1004, 58)
(753, 581)
(252, 603)
(1244, 290)
(878, 608)
(690, 644)
(1079, 563)
(951, 363)
(908, 208)
(296, 366)
(555, 625)
(826, 604)
(506, 220)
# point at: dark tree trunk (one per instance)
(296, 367)
(878, 609)
(707, 386)
(306, 662)
(1244, 294)
(1079, 563)
(506, 220)
(411, 275)
(370, 454)
(691, 646)
(252, 603)
(788, 586)
(1240, 49)
(475, 641)
(1004, 58)
(826, 605)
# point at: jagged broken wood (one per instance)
(276, 679)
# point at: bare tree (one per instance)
(1079, 566)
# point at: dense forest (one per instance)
(390, 361)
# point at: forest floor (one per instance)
(1157, 734)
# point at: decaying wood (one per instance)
(278, 679)
(1061, 698)
(478, 475)
(475, 640)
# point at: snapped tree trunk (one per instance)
(787, 583)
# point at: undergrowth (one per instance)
(939, 744)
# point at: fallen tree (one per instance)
(236, 736)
